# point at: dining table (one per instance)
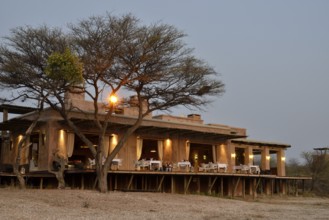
(155, 163)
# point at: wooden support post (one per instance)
(130, 181)
(145, 182)
(221, 187)
(95, 182)
(212, 183)
(160, 184)
(243, 187)
(231, 187)
(110, 182)
(236, 186)
(172, 184)
(82, 181)
(296, 186)
(41, 183)
(258, 183)
(198, 185)
(254, 188)
(187, 184)
(73, 182)
(115, 182)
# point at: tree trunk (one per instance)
(58, 168)
(21, 145)
(16, 165)
(20, 178)
(102, 180)
(60, 174)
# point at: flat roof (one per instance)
(15, 109)
(260, 143)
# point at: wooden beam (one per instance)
(254, 188)
(41, 183)
(172, 184)
(187, 184)
(243, 187)
(212, 183)
(116, 182)
(130, 181)
(82, 181)
(160, 184)
(236, 186)
(221, 187)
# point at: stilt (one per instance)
(211, 185)
(41, 183)
(160, 184)
(221, 187)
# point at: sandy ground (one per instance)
(84, 204)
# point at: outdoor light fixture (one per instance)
(233, 155)
(113, 99)
(283, 158)
(268, 157)
(251, 156)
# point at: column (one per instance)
(249, 158)
(265, 158)
(281, 162)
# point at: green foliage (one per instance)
(64, 67)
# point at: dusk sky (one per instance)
(273, 56)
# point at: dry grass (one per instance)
(84, 204)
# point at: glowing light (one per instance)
(233, 155)
(114, 139)
(20, 137)
(61, 135)
(251, 156)
(283, 158)
(268, 157)
(113, 99)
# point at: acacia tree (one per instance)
(32, 65)
(150, 62)
(317, 165)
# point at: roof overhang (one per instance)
(16, 109)
(260, 143)
(119, 123)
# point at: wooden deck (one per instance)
(218, 184)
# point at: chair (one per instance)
(245, 168)
(116, 163)
(213, 167)
(204, 167)
(92, 162)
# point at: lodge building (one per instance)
(166, 153)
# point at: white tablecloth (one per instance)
(155, 162)
(184, 164)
